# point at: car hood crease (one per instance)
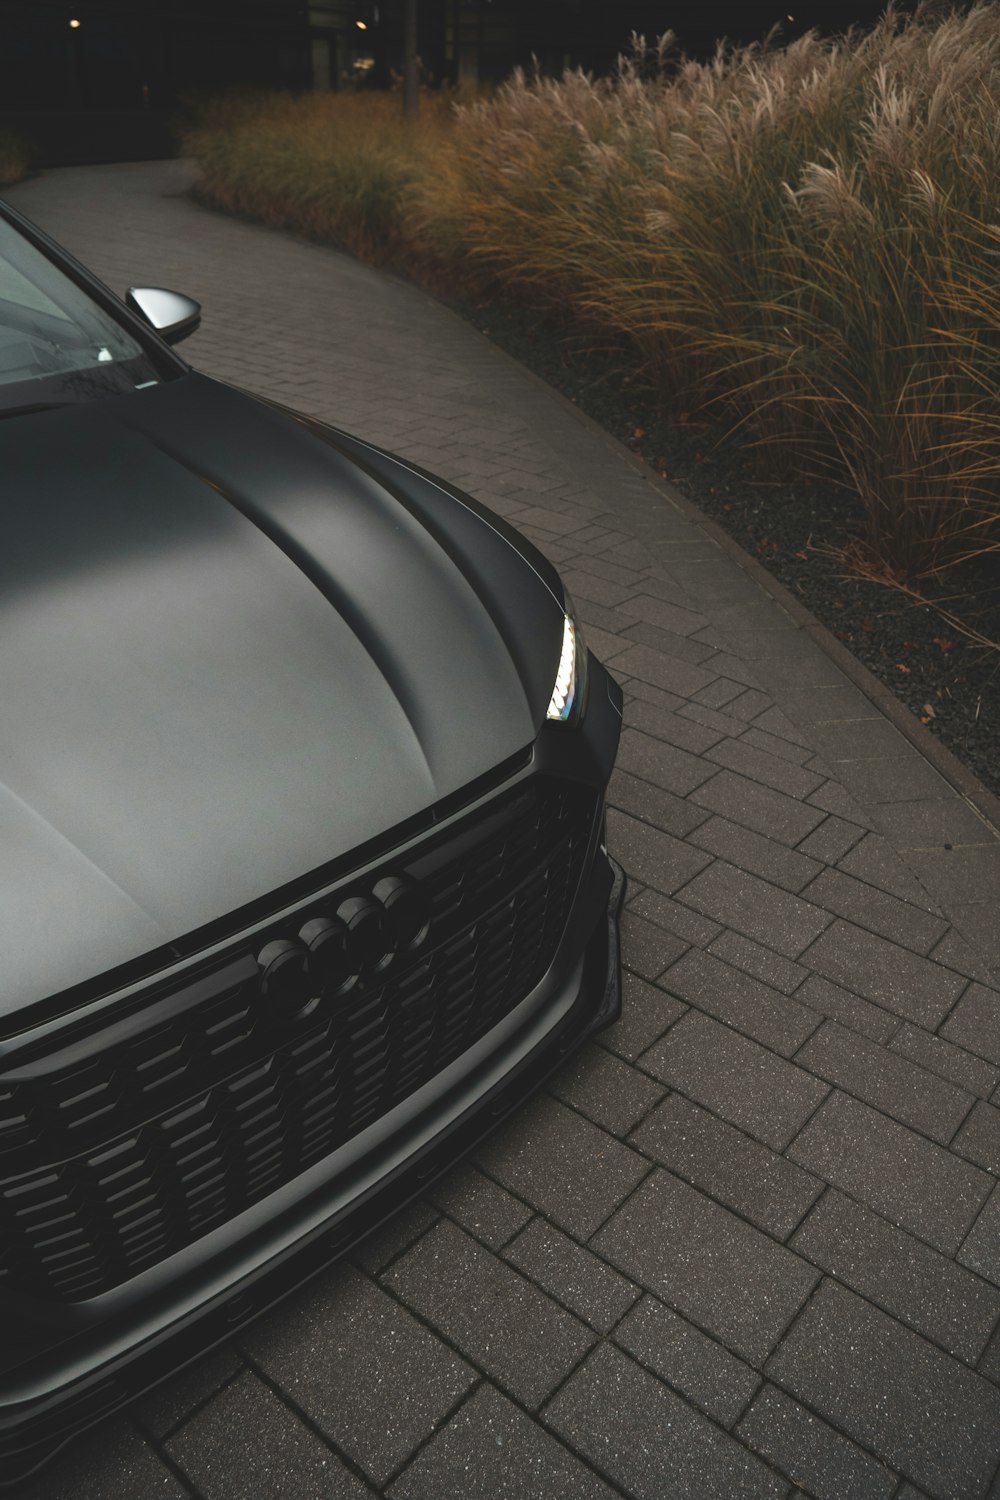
(228, 656)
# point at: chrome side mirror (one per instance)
(173, 315)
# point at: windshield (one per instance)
(56, 344)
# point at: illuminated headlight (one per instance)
(566, 702)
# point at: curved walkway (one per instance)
(749, 1244)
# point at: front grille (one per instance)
(125, 1153)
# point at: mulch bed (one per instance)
(794, 529)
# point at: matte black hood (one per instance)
(228, 655)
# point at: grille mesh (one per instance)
(109, 1164)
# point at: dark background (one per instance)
(109, 88)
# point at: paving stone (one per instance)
(981, 1249)
(955, 953)
(369, 1377)
(650, 694)
(654, 857)
(735, 1078)
(757, 909)
(651, 804)
(564, 1166)
(979, 922)
(758, 807)
(831, 840)
(989, 1364)
(740, 1001)
(900, 981)
(680, 677)
(979, 1138)
(589, 585)
(606, 567)
(606, 1090)
(754, 852)
(750, 703)
(727, 1165)
(666, 616)
(811, 1453)
(836, 799)
(903, 1176)
(664, 765)
(761, 963)
(876, 910)
(702, 1370)
(649, 1441)
(777, 725)
(605, 645)
(916, 1408)
(961, 873)
(593, 615)
(783, 639)
(757, 736)
(571, 1274)
(480, 1206)
(661, 724)
(690, 926)
(930, 823)
(876, 861)
(247, 1442)
(897, 778)
(826, 705)
(112, 1463)
(394, 1236)
(670, 645)
(509, 1328)
(884, 1079)
(718, 693)
(901, 1275)
(975, 1022)
(770, 770)
(491, 1449)
(765, 613)
(947, 1060)
(646, 948)
(850, 1010)
(712, 718)
(848, 740)
(170, 1403)
(646, 1014)
(692, 1254)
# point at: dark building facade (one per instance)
(100, 79)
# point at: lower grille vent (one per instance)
(112, 1163)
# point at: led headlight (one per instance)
(566, 703)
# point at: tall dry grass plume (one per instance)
(803, 239)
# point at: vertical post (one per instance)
(410, 60)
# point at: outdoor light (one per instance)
(75, 24)
(361, 25)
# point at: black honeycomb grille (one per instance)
(124, 1155)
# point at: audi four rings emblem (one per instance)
(332, 952)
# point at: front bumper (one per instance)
(87, 1359)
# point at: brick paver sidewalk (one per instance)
(749, 1244)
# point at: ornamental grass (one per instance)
(802, 240)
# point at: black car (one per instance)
(303, 874)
